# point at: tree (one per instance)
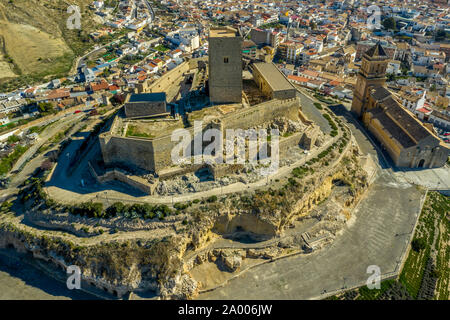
(390, 77)
(13, 139)
(115, 209)
(441, 35)
(389, 24)
(45, 108)
(418, 244)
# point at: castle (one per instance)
(140, 137)
(409, 143)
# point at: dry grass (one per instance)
(32, 50)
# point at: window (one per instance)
(225, 60)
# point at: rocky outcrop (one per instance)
(179, 287)
(231, 260)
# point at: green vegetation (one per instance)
(38, 129)
(135, 211)
(161, 48)
(5, 206)
(46, 108)
(132, 131)
(389, 290)
(6, 163)
(34, 192)
(323, 99)
(89, 209)
(299, 172)
(372, 294)
(416, 272)
(418, 244)
(13, 139)
(12, 125)
(274, 25)
(419, 275)
(318, 105)
(390, 24)
(334, 128)
(182, 206)
(57, 67)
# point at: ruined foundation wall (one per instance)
(261, 113)
(117, 174)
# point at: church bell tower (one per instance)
(371, 74)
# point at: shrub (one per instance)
(89, 209)
(115, 209)
(418, 244)
(299, 172)
(181, 206)
(292, 182)
(212, 199)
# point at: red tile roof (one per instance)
(99, 86)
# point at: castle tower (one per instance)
(371, 74)
(225, 66)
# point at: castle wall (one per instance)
(149, 154)
(155, 154)
(116, 174)
(164, 83)
(145, 109)
(132, 151)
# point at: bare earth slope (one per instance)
(35, 41)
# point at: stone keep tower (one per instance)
(371, 74)
(225, 66)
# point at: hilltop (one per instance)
(35, 42)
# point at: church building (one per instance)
(409, 142)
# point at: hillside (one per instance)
(35, 43)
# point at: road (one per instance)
(43, 138)
(311, 112)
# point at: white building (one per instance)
(394, 67)
(188, 39)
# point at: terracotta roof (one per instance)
(99, 86)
